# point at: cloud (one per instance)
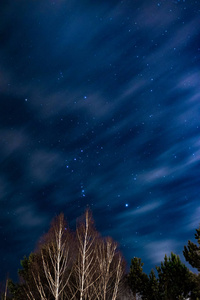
(193, 221)
(156, 16)
(13, 140)
(27, 215)
(156, 250)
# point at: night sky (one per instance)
(100, 107)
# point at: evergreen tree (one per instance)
(174, 278)
(152, 291)
(137, 279)
(192, 251)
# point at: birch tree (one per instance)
(55, 254)
(85, 273)
(111, 268)
(6, 290)
(83, 266)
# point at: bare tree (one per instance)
(87, 267)
(119, 274)
(111, 269)
(6, 289)
(85, 273)
(55, 253)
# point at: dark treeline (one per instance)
(83, 265)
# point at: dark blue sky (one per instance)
(100, 106)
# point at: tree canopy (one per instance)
(83, 265)
(80, 265)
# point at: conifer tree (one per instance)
(192, 251)
(137, 279)
(152, 291)
(174, 278)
